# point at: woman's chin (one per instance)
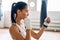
(23, 18)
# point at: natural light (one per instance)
(53, 5)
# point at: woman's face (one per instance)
(23, 13)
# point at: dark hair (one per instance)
(15, 7)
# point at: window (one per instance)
(0, 10)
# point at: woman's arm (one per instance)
(15, 33)
(28, 36)
(38, 35)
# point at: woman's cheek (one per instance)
(25, 14)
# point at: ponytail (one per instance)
(13, 12)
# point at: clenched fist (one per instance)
(47, 20)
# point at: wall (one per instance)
(34, 16)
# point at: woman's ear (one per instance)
(18, 11)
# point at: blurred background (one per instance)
(53, 11)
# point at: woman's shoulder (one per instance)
(13, 26)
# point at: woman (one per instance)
(17, 30)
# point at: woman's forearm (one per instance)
(35, 35)
(38, 35)
(40, 32)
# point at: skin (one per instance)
(14, 30)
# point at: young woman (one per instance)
(17, 30)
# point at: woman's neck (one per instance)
(18, 20)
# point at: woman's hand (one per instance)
(47, 20)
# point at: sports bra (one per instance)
(22, 29)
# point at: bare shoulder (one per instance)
(13, 26)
